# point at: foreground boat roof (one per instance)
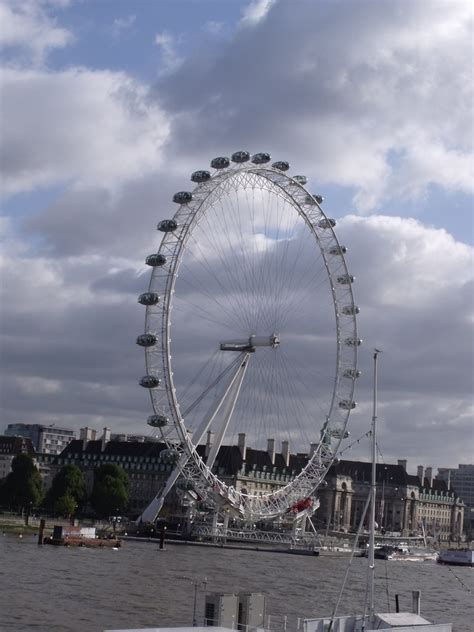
(183, 629)
(401, 621)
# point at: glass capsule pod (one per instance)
(261, 158)
(240, 156)
(170, 455)
(338, 434)
(337, 250)
(350, 310)
(148, 298)
(155, 260)
(149, 381)
(281, 165)
(352, 373)
(157, 421)
(200, 176)
(146, 340)
(327, 222)
(319, 198)
(184, 484)
(167, 225)
(347, 404)
(345, 279)
(182, 197)
(221, 162)
(353, 342)
(300, 179)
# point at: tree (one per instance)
(65, 506)
(69, 483)
(111, 490)
(22, 488)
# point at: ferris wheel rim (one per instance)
(319, 462)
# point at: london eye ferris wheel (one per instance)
(250, 333)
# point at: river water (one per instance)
(58, 589)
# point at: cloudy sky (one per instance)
(107, 107)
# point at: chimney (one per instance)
(105, 439)
(85, 435)
(312, 449)
(285, 452)
(209, 442)
(420, 472)
(271, 450)
(242, 446)
(429, 476)
(403, 463)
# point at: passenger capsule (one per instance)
(352, 373)
(345, 279)
(319, 198)
(240, 156)
(221, 162)
(339, 434)
(350, 310)
(182, 197)
(146, 340)
(157, 421)
(327, 222)
(149, 381)
(261, 158)
(170, 455)
(353, 342)
(148, 298)
(200, 176)
(167, 225)
(300, 179)
(184, 484)
(347, 404)
(337, 250)
(281, 165)
(155, 260)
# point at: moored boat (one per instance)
(456, 557)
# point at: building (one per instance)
(461, 480)
(10, 447)
(406, 504)
(45, 439)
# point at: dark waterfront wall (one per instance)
(56, 589)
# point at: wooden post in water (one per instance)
(41, 531)
(162, 537)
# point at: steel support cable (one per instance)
(346, 575)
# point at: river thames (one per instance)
(58, 589)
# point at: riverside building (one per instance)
(405, 502)
(45, 439)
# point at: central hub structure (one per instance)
(251, 343)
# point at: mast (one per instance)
(372, 497)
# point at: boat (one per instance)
(456, 557)
(371, 620)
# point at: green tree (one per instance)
(69, 483)
(22, 488)
(111, 490)
(65, 506)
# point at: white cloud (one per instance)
(387, 113)
(26, 25)
(256, 11)
(86, 127)
(120, 25)
(168, 46)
